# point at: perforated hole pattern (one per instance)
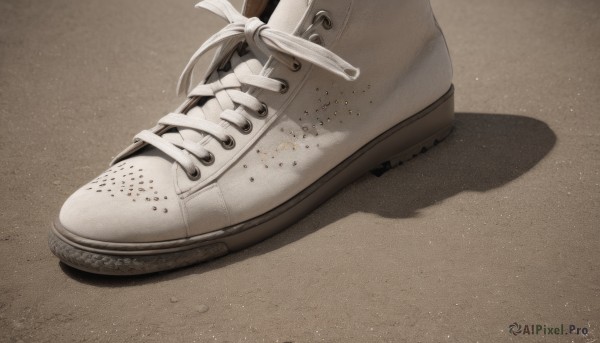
(331, 108)
(128, 181)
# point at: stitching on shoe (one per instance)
(221, 200)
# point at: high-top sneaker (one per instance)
(288, 113)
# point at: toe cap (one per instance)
(132, 202)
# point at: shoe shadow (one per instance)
(485, 151)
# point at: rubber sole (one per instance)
(390, 149)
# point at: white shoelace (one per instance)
(284, 47)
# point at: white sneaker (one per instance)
(283, 120)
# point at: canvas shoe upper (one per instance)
(282, 105)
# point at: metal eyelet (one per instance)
(229, 143)
(195, 175)
(315, 38)
(324, 18)
(209, 160)
(247, 128)
(285, 87)
(296, 66)
(264, 110)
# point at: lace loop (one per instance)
(259, 36)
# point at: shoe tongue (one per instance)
(287, 15)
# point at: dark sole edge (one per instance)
(434, 123)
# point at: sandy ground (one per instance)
(499, 224)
